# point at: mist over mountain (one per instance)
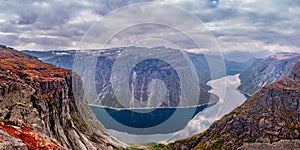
(246, 56)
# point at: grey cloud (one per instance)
(270, 22)
(162, 33)
(9, 40)
(261, 21)
(27, 19)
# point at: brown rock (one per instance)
(40, 96)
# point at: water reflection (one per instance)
(202, 120)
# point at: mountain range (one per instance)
(105, 60)
(44, 107)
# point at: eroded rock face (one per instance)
(9, 142)
(270, 115)
(47, 101)
(280, 145)
(104, 60)
(266, 71)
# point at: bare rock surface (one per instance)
(45, 101)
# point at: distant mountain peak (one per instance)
(284, 55)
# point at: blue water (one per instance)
(230, 98)
(147, 121)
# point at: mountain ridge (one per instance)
(106, 58)
(267, 70)
(270, 118)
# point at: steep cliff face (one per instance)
(270, 118)
(141, 76)
(151, 69)
(42, 108)
(266, 71)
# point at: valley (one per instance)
(157, 121)
(150, 75)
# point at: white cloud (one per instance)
(85, 16)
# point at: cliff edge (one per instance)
(42, 107)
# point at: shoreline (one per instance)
(182, 107)
(245, 93)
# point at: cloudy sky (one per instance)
(248, 25)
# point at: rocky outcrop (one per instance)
(280, 145)
(270, 115)
(42, 107)
(266, 71)
(14, 137)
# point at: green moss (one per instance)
(131, 148)
(217, 145)
(160, 147)
(201, 144)
(214, 137)
(6, 121)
